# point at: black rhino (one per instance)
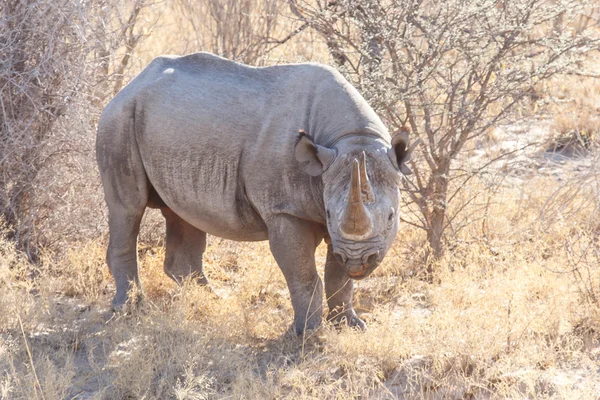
(291, 154)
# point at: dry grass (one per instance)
(504, 318)
(572, 102)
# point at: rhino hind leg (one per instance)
(185, 247)
(339, 290)
(121, 255)
(126, 193)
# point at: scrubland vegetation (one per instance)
(492, 289)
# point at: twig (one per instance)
(37, 381)
(288, 37)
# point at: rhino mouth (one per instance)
(359, 267)
(360, 274)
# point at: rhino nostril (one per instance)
(341, 258)
(372, 259)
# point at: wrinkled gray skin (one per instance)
(214, 144)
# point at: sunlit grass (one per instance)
(501, 319)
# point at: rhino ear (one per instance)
(313, 159)
(400, 153)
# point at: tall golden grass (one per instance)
(505, 317)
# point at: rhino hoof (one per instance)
(348, 318)
(357, 323)
(122, 304)
(301, 328)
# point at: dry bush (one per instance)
(41, 56)
(238, 30)
(257, 32)
(572, 103)
(58, 59)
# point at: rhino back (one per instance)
(216, 138)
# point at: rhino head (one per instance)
(361, 177)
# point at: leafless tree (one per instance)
(448, 70)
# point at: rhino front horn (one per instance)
(356, 223)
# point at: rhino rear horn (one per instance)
(365, 185)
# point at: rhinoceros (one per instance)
(291, 154)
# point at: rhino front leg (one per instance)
(293, 243)
(185, 247)
(339, 289)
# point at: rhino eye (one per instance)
(391, 219)
(328, 216)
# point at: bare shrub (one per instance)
(449, 71)
(36, 82)
(238, 30)
(573, 102)
(575, 206)
(55, 55)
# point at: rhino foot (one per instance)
(347, 317)
(122, 302)
(301, 328)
